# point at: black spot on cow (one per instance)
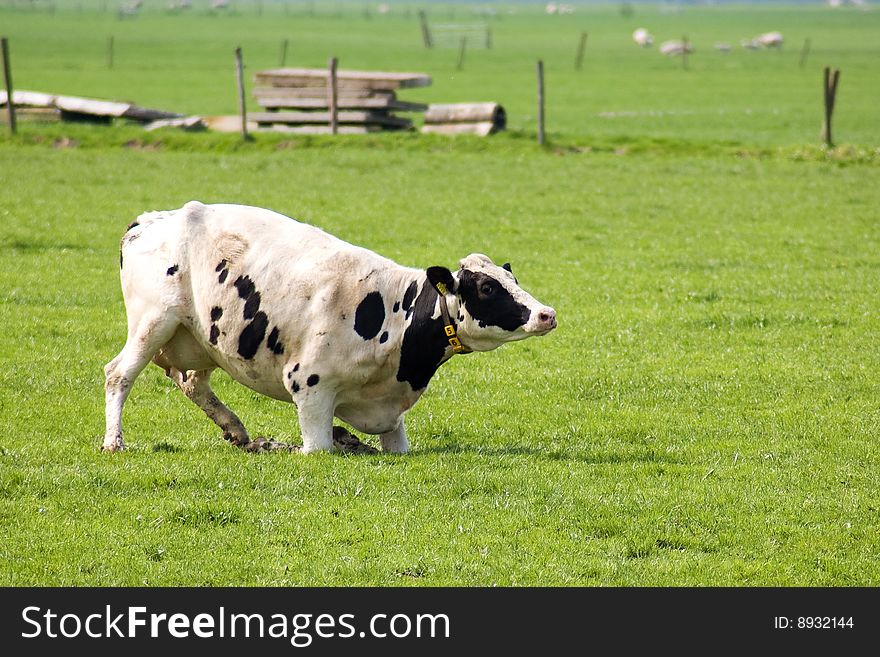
(384, 337)
(272, 342)
(133, 224)
(489, 302)
(224, 272)
(245, 286)
(252, 305)
(215, 333)
(424, 342)
(216, 313)
(246, 291)
(369, 316)
(252, 335)
(171, 270)
(120, 258)
(408, 298)
(312, 380)
(396, 307)
(295, 387)
(296, 368)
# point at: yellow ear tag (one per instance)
(441, 288)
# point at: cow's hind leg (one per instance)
(196, 385)
(348, 443)
(144, 340)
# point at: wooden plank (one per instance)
(23, 98)
(465, 113)
(481, 128)
(379, 118)
(316, 77)
(270, 102)
(320, 92)
(92, 106)
(324, 129)
(33, 99)
(227, 123)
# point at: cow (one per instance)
(299, 315)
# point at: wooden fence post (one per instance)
(332, 97)
(7, 76)
(488, 37)
(579, 60)
(239, 76)
(426, 31)
(461, 49)
(830, 80)
(804, 52)
(684, 52)
(540, 72)
(283, 59)
(110, 52)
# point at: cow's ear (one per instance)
(440, 278)
(506, 266)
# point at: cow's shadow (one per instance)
(577, 455)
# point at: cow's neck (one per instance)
(425, 345)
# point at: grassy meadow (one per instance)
(707, 412)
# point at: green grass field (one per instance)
(706, 413)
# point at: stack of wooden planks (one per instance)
(298, 100)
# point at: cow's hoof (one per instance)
(346, 443)
(268, 445)
(113, 447)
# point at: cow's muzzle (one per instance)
(544, 321)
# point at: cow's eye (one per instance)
(487, 289)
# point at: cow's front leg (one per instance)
(395, 441)
(316, 421)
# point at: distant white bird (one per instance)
(643, 38)
(675, 48)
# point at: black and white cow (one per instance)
(299, 315)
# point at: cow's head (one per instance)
(492, 307)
